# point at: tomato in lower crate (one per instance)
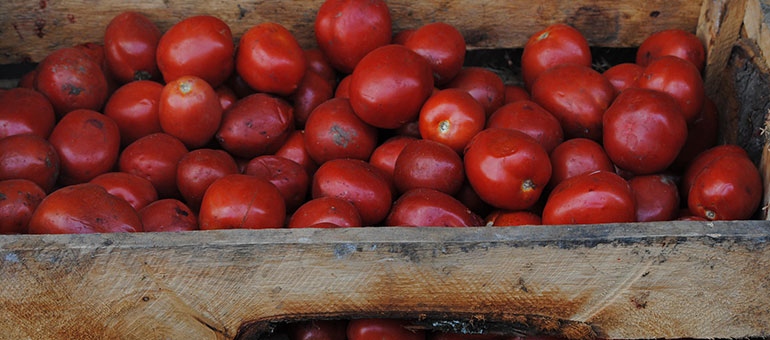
(241, 202)
(289, 177)
(423, 207)
(623, 76)
(672, 42)
(383, 329)
(18, 200)
(27, 81)
(256, 125)
(555, 45)
(226, 97)
(189, 109)
(295, 150)
(428, 164)
(515, 93)
(334, 131)
(678, 78)
(384, 156)
(197, 169)
(501, 218)
(532, 119)
(29, 157)
(656, 197)
(451, 117)
(596, 197)
(483, 85)
(703, 160)
(358, 183)
(442, 46)
(137, 191)
(326, 210)
(83, 208)
(701, 135)
(134, 107)
(130, 43)
(313, 91)
(25, 111)
(343, 88)
(168, 215)
(71, 80)
(87, 143)
(270, 60)
(728, 188)
(154, 158)
(318, 330)
(316, 62)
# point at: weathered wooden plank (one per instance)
(718, 28)
(29, 30)
(672, 280)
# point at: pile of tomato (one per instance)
(184, 130)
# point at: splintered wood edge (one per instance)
(718, 29)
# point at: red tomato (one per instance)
(515, 93)
(312, 92)
(18, 200)
(555, 45)
(347, 30)
(334, 131)
(137, 191)
(239, 86)
(316, 62)
(410, 129)
(675, 43)
(96, 52)
(290, 178)
(382, 329)
(389, 86)
(134, 107)
(578, 156)
(226, 97)
(678, 78)
(424, 207)
(270, 60)
(691, 218)
(196, 170)
(451, 117)
(155, 159)
(294, 149)
(71, 80)
(83, 208)
(27, 81)
(701, 135)
(130, 42)
(577, 96)
(507, 168)
(442, 46)
(356, 182)
(727, 188)
(318, 330)
(502, 218)
(401, 37)
(336, 211)
(656, 197)
(590, 198)
(623, 76)
(87, 143)
(168, 215)
(256, 125)
(384, 156)
(531, 119)
(29, 157)
(483, 85)
(471, 199)
(704, 159)
(200, 46)
(428, 164)
(343, 88)
(643, 131)
(242, 202)
(25, 111)
(189, 109)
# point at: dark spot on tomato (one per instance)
(48, 163)
(72, 89)
(180, 211)
(3, 197)
(96, 123)
(142, 75)
(340, 136)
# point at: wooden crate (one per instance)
(655, 280)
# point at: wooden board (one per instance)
(30, 29)
(658, 280)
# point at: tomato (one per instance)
(410, 129)
(243, 202)
(590, 198)
(555, 45)
(197, 169)
(442, 46)
(25, 111)
(18, 200)
(168, 215)
(87, 143)
(578, 156)
(656, 197)
(389, 86)
(200, 46)
(29, 157)
(401, 37)
(96, 52)
(691, 218)
(134, 107)
(290, 178)
(515, 93)
(130, 42)
(727, 188)
(356, 182)
(226, 97)
(137, 191)
(577, 96)
(318, 330)
(239, 86)
(428, 164)
(678, 78)
(451, 117)
(701, 135)
(71, 80)
(502, 218)
(294, 149)
(347, 30)
(256, 125)
(471, 199)
(483, 85)
(675, 43)
(270, 60)
(83, 208)
(343, 88)
(425, 207)
(507, 168)
(531, 119)
(384, 156)
(154, 158)
(704, 159)
(336, 211)
(27, 81)
(334, 131)
(316, 62)
(623, 76)
(312, 92)
(189, 109)
(643, 131)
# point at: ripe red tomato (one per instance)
(333, 210)
(471, 199)
(87, 143)
(590, 198)
(483, 85)
(200, 46)
(294, 149)
(727, 188)
(656, 197)
(29, 157)
(226, 97)
(382, 329)
(137, 191)
(27, 81)
(343, 88)
(18, 200)
(154, 158)
(555, 45)
(578, 156)
(680, 79)
(531, 119)
(134, 107)
(243, 202)
(442, 46)
(401, 37)
(424, 207)
(356, 182)
(196, 170)
(96, 52)
(451, 117)
(704, 159)
(318, 330)
(270, 59)
(675, 43)
(501, 218)
(25, 111)
(507, 168)
(71, 80)
(312, 92)
(168, 215)
(316, 62)
(623, 76)
(384, 156)
(334, 131)
(130, 42)
(256, 125)
(289, 177)
(515, 93)
(83, 208)
(428, 164)
(701, 135)
(189, 109)
(239, 86)
(389, 86)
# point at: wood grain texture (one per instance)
(658, 280)
(29, 30)
(757, 17)
(719, 26)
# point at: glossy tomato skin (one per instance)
(189, 109)
(701, 135)
(590, 198)
(71, 80)
(623, 76)
(20, 199)
(384, 156)
(428, 164)
(289, 177)
(168, 215)
(728, 188)
(316, 62)
(451, 117)
(242, 202)
(483, 85)
(81, 209)
(656, 197)
(295, 149)
(130, 43)
(515, 93)
(313, 91)
(226, 97)
(382, 329)
(507, 168)
(532, 119)
(389, 86)
(678, 78)
(318, 330)
(134, 107)
(643, 131)
(154, 158)
(29, 157)
(137, 191)
(502, 218)
(424, 207)
(347, 30)
(336, 211)
(334, 131)
(270, 59)
(442, 46)
(87, 143)
(200, 46)
(675, 43)
(197, 169)
(343, 88)
(358, 183)
(23, 111)
(256, 125)
(555, 45)
(703, 160)
(577, 96)
(578, 156)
